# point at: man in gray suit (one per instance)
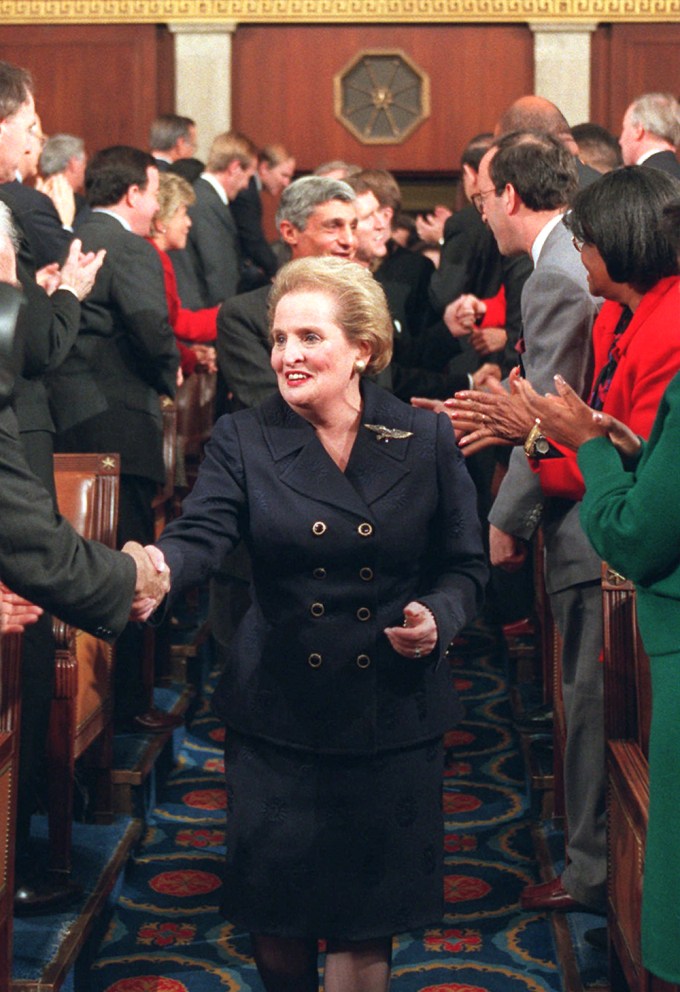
(650, 133)
(213, 253)
(526, 181)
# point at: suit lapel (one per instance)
(374, 468)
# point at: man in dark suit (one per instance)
(47, 327)
(42, 557)
(106, 395)
(48, 238)
(171, 138)
(213, 251)
(650, 133)
(558, 313)
(275, 170)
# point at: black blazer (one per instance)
(105, 395)
(213, 246)
(246, 210)
(336, 557)
(48, 239)
(42, 557)
(243, 348)
(665, 162)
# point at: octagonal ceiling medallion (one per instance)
(381, 96)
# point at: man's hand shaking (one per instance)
(153, 579)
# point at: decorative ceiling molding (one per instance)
(334, 11)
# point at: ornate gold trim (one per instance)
(334, 11)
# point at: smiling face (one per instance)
(330, 230)
(313, 359)
(177, 229)
(372, 231)
(143, 203)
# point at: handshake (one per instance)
(151, 586)
(153, 579)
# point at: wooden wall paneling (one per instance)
(283, 88)
(644, 59)
(96, 81)
(600, 74)
(165, 51)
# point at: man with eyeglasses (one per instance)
(525, 183)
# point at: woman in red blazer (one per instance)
(617, 227)
(195, 330)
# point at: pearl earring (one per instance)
(359, 366)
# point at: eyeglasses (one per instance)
(478, 198)
(579, 243)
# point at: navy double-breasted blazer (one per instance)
(336, 557)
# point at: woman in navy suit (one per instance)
(361, 522)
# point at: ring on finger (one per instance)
(416, 653)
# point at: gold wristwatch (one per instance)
(536, 444)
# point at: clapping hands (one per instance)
(78, 272)
(153, 579)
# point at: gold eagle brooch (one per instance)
(383, 433)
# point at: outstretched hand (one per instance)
(153, 579)
(418, 635)
(16, 612)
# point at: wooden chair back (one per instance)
(82, 707)
(196, 412)
(627, 701)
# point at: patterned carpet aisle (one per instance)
(166, 935)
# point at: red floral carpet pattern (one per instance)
(167, 936)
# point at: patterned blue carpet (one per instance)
(166, 934)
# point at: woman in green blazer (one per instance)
(629, 513)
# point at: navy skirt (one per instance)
(327, 846)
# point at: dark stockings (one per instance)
(287, 964)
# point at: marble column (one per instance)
(562, 67)
(203, 77)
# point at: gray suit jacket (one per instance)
(558, 313)
(213, 246)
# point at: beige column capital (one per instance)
(203, 77)
(562, 66)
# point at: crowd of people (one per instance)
(379, 375)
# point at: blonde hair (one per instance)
(229, 147)
(360, 304)
(173, 192)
